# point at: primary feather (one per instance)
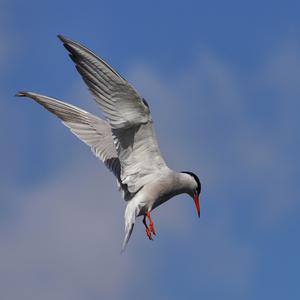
(90, 129)
(126, 112)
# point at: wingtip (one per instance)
(26, 94)
(67, 43)
(64, 39)
(123, 248)
(61, 37)
(21, 94)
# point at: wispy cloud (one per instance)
(242, 157)
(64, 239)
(206, 91)
(62, 236)
(235, 139)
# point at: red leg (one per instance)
(148, 231)
(151, 224)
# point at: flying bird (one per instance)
(125, 141)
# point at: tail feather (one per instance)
(131, 212)
(128, 231)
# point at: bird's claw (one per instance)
(148, 232)
(151, 227)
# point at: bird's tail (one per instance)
(130, 215)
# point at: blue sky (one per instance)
(222, 81)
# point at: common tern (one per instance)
(125, 141)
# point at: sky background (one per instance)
(223, 82)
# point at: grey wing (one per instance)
(120, 103)
(127, 113)
(92, 130)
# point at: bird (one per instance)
(124, 140)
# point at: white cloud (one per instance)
(282, 69)
(237, 147)
(64, 239)
(227, 262)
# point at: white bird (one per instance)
(125, 142)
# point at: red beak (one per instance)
(197, 204)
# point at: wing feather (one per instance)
(121, 104)
(92, 130)
(127, 113)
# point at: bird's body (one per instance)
(160, 190)
(125, 142)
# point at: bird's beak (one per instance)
(197, 204)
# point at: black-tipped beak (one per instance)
(197, 204)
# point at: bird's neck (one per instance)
(184, 184)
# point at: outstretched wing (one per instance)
(92, 130)
(127, 113)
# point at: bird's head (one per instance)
(194, 189)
